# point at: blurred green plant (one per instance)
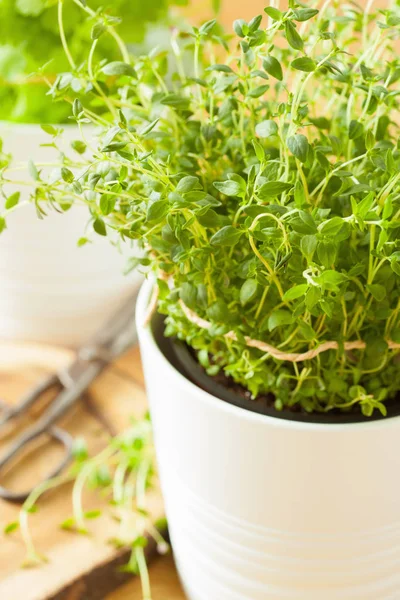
(30, 40)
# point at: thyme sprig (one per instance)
(122, 475)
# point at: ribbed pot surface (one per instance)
(265, 509)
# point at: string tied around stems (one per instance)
(293, 357)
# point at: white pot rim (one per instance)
(192, 389)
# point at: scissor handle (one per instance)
(60, 435)
(10, 412)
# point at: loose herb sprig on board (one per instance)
(122, 473)
(263, 183)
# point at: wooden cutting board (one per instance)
(79, 567)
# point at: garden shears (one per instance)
(112, 340)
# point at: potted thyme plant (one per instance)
(265, 193)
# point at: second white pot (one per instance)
(51, 290)
(260, 508)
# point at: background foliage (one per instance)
(30, 38)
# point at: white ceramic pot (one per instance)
(51, 290)
(261, 508)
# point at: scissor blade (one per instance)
(116, 336)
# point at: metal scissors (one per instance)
(111, 341)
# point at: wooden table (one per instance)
(76, 563)
(164, 580)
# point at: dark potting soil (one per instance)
(225, 388)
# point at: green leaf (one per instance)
(304, 224)
(333, 277)
(92, 514)
(308, 245)
(259, 150)
(356, 130)
(248, 291)
(293, 37)
(295, 292)
(395, 266)
(271, 189)
(157, 210)
(79, 146)
(100, 227)
(326, 307)
(358, 188)
(149, 127)
(207, 27)
(229, 188)
(238, 26)
(377, 291)
(369, 140)
(67, 175)
(114, 146)
(119, 68)
(299, 194)
(187, 184)
(227, 236)
(304, 63)
(278, 318)
(326, 251)
(363, 207)
(176, 101)
(68, 524)
(274, 13)
(188, 294)
(209, 219)
(11, 527)
(273, 67)
(323, 161)
(331, 227)
(304, 14)
(306, 330)
(255, 23)
(49, 129)
(312, 297)
(298, 146)
(383, 238)
(258, 91)
(387, 208)
(220, 68)
(107, 204)
(12, 200)
(77, 107)
(266, 129)
(98, 30)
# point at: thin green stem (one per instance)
(63, 37)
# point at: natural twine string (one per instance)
(263, 346)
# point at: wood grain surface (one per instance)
(164, 582)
